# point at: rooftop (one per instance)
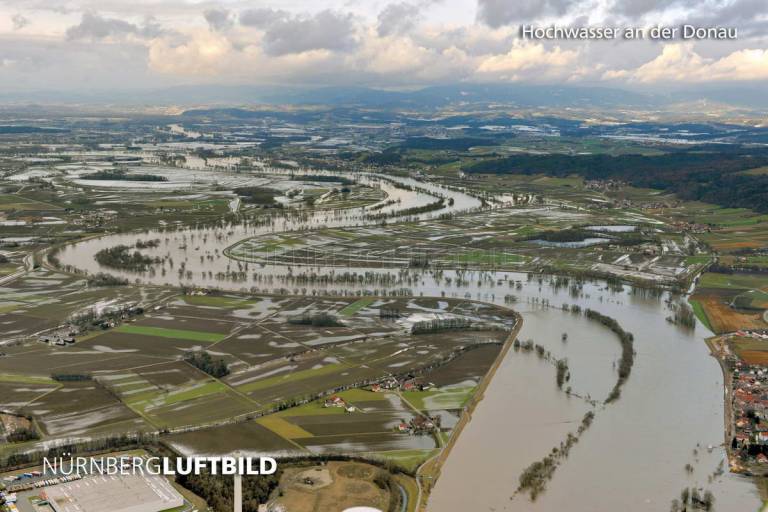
(118, 493)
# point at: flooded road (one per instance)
(633, 456)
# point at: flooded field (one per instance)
(633, 457)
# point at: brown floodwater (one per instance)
(633, 456)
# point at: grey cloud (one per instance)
(723, 11)
(473, 44)
(497, 13)
(19, 21)
(397, 18)
(743, 14)
(61, 7)
(261, 18)
(741, 10)
(93, 26)
(285, 34)
(637, 8)
(36, 64)
(219, 19)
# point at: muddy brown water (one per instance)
(634, 454)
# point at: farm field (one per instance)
(320, 282)
(495, 240)
(750, 350)
(136, 377)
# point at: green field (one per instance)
(209, 388)
(27, 379)
(697, 260)
(357, 306)
(292, 377)
(223, 301)
(11, 202)
(752, 299)
(406, 459)
(734, 281)
(701, 314)
(453, 398)
(361, 395)
(282, 427)
(162, 332)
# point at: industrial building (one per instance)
(118, 493)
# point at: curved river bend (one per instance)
(633, 456)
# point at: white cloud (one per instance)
(529, 60)
(207, 54)
(203, 54)
(403, 42)
(680, 63)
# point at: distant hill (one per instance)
(429, 97)
(522, 95)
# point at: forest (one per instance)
(121, 257)
(694, 174)
(258, 195)
(123, 176)
(203, 361)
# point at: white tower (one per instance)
(238, 498)
(238, 493)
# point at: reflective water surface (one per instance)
(632, 457)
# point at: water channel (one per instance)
(633, 456)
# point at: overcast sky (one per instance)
(96, 44)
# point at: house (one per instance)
(390, 383)
(422, 424)
(376, 388)
(403, 427)
(761, 458)
(335, 401)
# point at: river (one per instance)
(633, 456)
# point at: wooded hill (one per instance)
(695, 174)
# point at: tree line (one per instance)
(627, 350)
(695, 174)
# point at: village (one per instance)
(420, 424)
(746, 401)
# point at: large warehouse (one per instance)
(127, 493)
